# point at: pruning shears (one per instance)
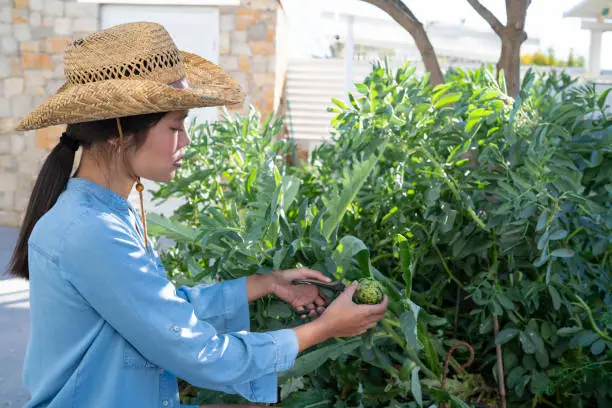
(337, 287)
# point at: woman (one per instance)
(108, 329)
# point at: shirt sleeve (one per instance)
(108, 265)
(223, 305)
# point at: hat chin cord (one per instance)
(140, 189)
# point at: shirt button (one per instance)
(176, 329)
(165, 403)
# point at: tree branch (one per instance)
(399, 12)
(489, 17)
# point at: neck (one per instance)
(118, 180)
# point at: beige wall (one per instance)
(33, 36)
(248, 50)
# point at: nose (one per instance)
(184, 140)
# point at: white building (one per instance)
(596, 18)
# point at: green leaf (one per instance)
(309, 362)
(457, 403)
(480, 112)
(351, 249)
(541, 384)
(251, 181)
(515, 376)
(362, 89)
(547, 330)
(543, 241)
(542, 220)
(408, 322)
(526, 343)
(278, 258)
(598, 347)
(505, 301)
(415, 386)
(489, 94)
(506, 335)
(447, 99)
(160, 225)
(557, 235)
(405, 253)
(528, 211)
(568, 331)
(541, 354)
(292, 385)
(433, 194)
(350, 187)
(291, 186)
(586, 338)
(312, 398)
(562, 253)
(555, 297)
(278, 309)
(601, 100)
(340, 104)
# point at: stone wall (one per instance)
(248, 49)
(34, 34)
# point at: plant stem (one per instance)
(385, 323)
(494, 248)
(587, 309)
(576, 231)
(446, 268)
(547, 402)
(452, 187)
(500, 365)
(381, 256)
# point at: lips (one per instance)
(178, 162)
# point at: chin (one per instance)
(164, 178)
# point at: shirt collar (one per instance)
(106, 196)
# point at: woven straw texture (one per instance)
(126, 70)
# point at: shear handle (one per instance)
(336, 286)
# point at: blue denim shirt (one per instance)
(108, 328)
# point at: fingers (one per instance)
(319, 301)
(312, 274)
(350, 291)
(378, 308)
(299, 309)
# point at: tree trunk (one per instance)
(512, 35)
(428, 54)
(399, 12)
(510, 60)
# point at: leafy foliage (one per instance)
(463, 202)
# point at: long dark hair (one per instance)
(56, 170)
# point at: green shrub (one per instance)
(468, 205)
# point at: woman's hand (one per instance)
(343, 318)
(299, 296)
(347, 319)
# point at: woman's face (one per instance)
(159, 157)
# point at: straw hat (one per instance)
(132, 69)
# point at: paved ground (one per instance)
(14, 327)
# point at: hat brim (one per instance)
(209, 86)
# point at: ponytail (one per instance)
(50, 183)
